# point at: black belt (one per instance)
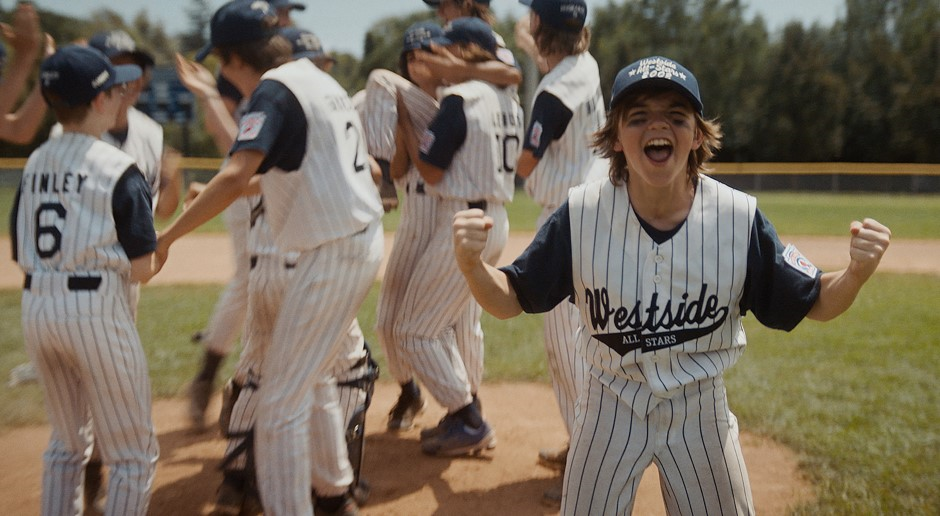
(73, 283)
(419, 188)
(480, 205)
(254, 261)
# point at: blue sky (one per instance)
(342, 24)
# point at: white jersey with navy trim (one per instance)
(677, 319)
(144, 143)
(575, 81)
(70, 181)
(484, 166)
(332, 195)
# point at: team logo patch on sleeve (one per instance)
(427, 140)
(795, 259)
(250, 125)
(535, 136)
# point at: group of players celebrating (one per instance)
(632, 231)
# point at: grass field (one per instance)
(856, 398)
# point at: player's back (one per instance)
(64, 220)
(333, 195)
(484, 166)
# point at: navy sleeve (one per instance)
(777, 293)
(133, 214)
(541, 276)
(446, 133)
(274, 124)
(550, 119)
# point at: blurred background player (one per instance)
(417, 88)
(301, 135)
(557, 155)
(467, 157)
(77, 282)
(227, 320)
(26, 40)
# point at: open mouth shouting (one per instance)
(658, 149)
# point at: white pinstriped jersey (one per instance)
(664, 315)
(332, 195)
(65, 218)
(484, 167)
(575, 81)
(144, 143)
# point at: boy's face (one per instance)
(656, 134)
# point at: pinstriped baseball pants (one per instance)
(93, 372)
(328, 286)
(692, 438)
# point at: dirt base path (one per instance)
(506, 480)
(404, 482)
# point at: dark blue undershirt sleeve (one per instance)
(541, 276)
(227, 89)
(132, 207)
(446, 133)
(550, 119)
(274, 124)
(778, 294)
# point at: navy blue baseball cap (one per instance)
(114, 43)
(468, 30)
(660, 72)
(280, 4)
(240, 21)
(303, 43)
(420, 34)
(566, 15)
(77, 74)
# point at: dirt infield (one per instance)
(404, 482)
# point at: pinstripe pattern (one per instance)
(435, 299)
(306, 209)
(84, 344)
(327, 287)
(664, 403)
(230, 311)
(566, 162)
(565, 366)
(484, 167)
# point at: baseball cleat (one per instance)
(457, 438)
(406, 409)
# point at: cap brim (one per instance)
(203, 53)
(527, 3)
(126, 73)
(308, 54)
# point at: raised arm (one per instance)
(218, 119)
(489, 285)
(454, 70)
(869, 241)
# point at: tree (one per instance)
(200, 14)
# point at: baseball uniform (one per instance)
(83, 212)
(661, 321)
(320, 202)
(568, 109)
(475, 139)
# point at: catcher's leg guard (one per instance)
(356, 429)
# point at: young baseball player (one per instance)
(271, 271)
(300, 144)
(417, 88)
(83, 231)
(466, 157)
(556, 156)
(663, 262)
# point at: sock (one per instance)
(331, 503)
(470, 415)
(411, 390)
(210, 365)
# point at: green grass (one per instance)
(908, 216)
(856, 398)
